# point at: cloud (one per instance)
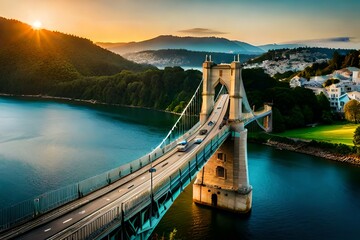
(327, 40)
(334, 42)
(334, 39)
(201, 31)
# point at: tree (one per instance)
(296, 118)
(356, 140)
(352, 111)
(278, 121)
(330, 81)
(323, 101)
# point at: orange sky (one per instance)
(256, 22)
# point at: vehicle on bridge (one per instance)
(211, 123)
(182, 146)
(198, 140)
(203, 131)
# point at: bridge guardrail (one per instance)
(176, 182)
(48, 201)
(186, 172)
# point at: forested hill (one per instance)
(31, 61)
(338, 61)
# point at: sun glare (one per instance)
(37, 25)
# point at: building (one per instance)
(297, 82)
(356, 77)
(338, 94)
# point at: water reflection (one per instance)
(45, 145)
(295, 196)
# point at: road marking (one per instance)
(46, 230)
(67, 220)
(107, 199)
(143, 177)
(82, 212)
(120, 190)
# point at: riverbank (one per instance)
(330, 151)
(78, 100)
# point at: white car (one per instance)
(182, 146)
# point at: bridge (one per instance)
(208, 142)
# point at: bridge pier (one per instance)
(224, 182)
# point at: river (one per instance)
(47, 144)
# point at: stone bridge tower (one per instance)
(224, 181)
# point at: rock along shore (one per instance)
(302, 146)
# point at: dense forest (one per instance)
(32, 61)
(167, 89)
(55, 64)
(41, 62)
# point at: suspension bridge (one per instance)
(208, 142)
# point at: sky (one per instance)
(253, 21)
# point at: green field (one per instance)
(336, 133)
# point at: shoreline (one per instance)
(78, 100)
(302, 146)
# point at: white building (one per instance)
(297, 82)
(356, 77)
(354, 95)
(338, 94)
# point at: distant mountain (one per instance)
(181, 57)
(208, 44)
(249, 48)
(33, 60)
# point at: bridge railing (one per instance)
(183, 174)
(111, 216)
(46, 202)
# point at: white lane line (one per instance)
(82, 212)
(67, 220)
(108, 199)
(46, 230)
(120, 190)
(143, 177)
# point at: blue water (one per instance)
(45, 145)
(295, 196)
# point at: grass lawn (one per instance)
(336, 133)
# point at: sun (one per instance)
(36, 25)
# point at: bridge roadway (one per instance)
(125, 189)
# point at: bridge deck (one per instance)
(66, 219)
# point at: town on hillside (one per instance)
(339, 87)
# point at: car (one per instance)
(198, 140)
(203, 131)
(183, 142)
(210, 123)
(182, 146)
